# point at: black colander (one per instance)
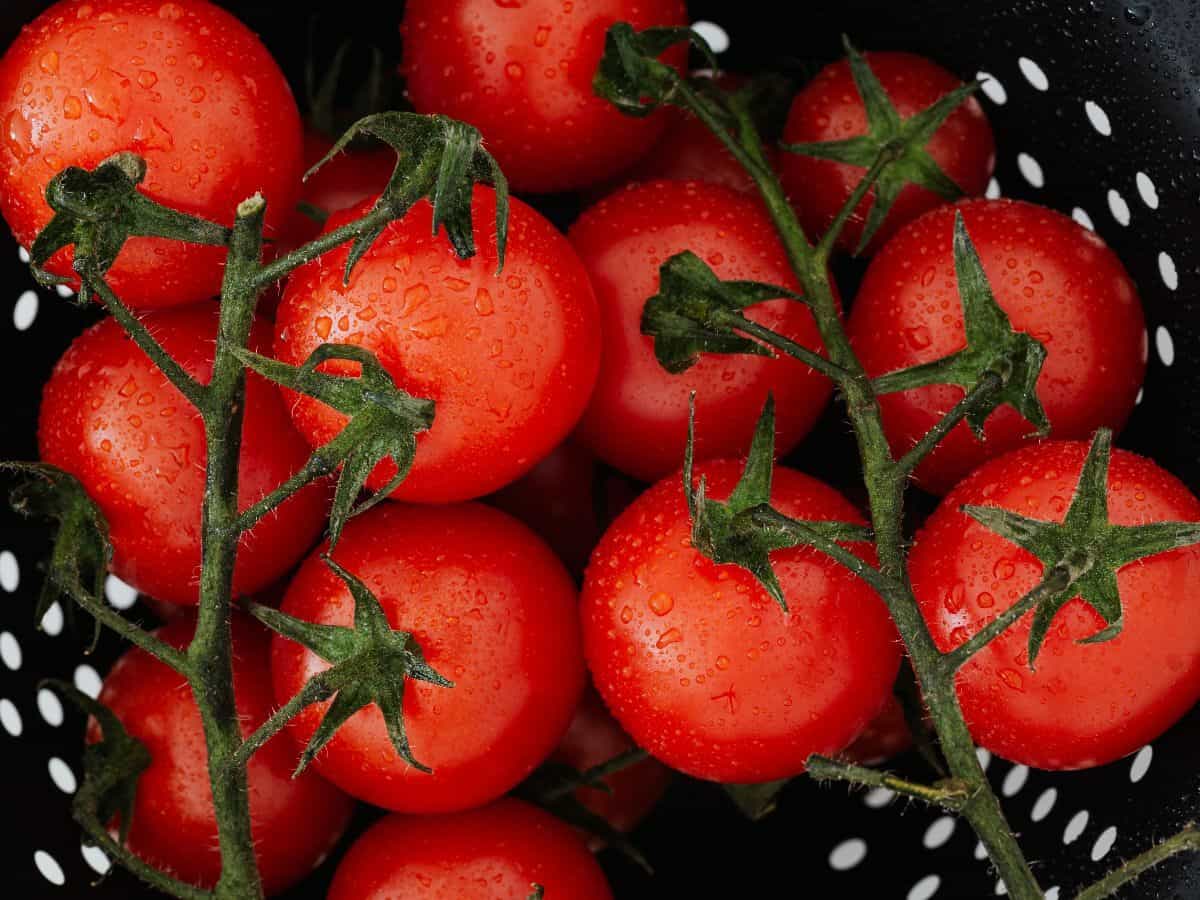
(1096, 107)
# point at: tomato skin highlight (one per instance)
(1056, 281)
(1085, 705)
(637, 418)
(494, 612)
(294, 821)
(186, 86)
(829, 108)
(111, 419)
(509, 359)
(497, 852)
(522, 74)
(703, 669)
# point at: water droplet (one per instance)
(661, 604)
(722, 663)
(19, 136)
(626, 615)
(928, 276)
(1012, 678)
(669, 637)
(431, 328)
(147, 79)
(954, 600)
(483, 302)
(919, 337)
(515, 71)
(985, 600)
(1003, 570)
(49, 62)
(323, 325)
(72, 108)
(541, 36)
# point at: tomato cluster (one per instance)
(552, 406)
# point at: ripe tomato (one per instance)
(637, 419)
(494, 612)
(498, 852)
(1056, 281)
(1085, 704)
(111, 419)
(295, 821)
(830, 109)
(509, 359)
(183, 84)
(886, 736)
(522, 73)
(703, 668)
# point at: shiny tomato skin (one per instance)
(1085, 705)
(830, 109)
(494, 612)
(509, 359)
(521, 72)
(498, 852)
(637, 418)
(295, 821)
(184, 85)
(1055, 279)
(111, 418)
(703, 669)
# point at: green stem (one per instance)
(824, 248)
(314, 691)
(117, 852)
(803, 534)
(135, 634)
(1186, 841)
(947, 794)
(280, 268)
(814, 361)
(977, 398)
(590, 777)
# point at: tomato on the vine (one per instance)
(113, 420)
(494, 612)
(184, 85)
(703, 669)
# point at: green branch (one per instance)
(946, 794)
(1186, 841)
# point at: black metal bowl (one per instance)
(1096, 107)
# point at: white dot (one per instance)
(1051, 894)
(10, 718)
(50, 707)
(992, 88)
(96, 858)
(1141, 764)
(10, 572)
(1014, 780)
(877, 798)
(1075, 827)
(1167, 271)
(10, 651)
(993, 189)
(980, 850)
(25, 311)
(52, 621)
(1031, 170)
(984, 757)
(1045, 803)
(23, 254)
(716, 36)
(88, 681)
(925, 888)
(1147, 190)
(1141, 395)
(1081, 216)
(63, 291)
(1118, 207)
(1165, 345)
(49, 867)
(1104, 843)
(1033, 73)
(1098, 117)
(1001, 889)
(62, 776)
(119, 594)
(848, 854)
(939, 832)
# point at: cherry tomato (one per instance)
(508, 359)
(494, 612)
(703, 669)
(829, 109)
(886, 736)
(1085, 704)
(498, 852)
(522, 73)
(1056, 281)
(184, 85)
(111, 419)
(294, 821)
(637, 419)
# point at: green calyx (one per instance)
(901, 141)
(539, 892)
(630, 74)
(1085, 551)
(756, 801)
(369, 663)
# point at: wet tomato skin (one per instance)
(703, 669)
(1084, 705)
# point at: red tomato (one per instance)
(830, 109)
(703, 668)
(494, 612)
(522, 73)
(183, 84)
(496, 853)
(1056, 281)
(637, 419)
(593, 739)
(510, 360)
(346, 180)
(295, 821)
(1085, 704)
(886, 736)
(111, 419)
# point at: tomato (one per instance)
(111, 419)
(498, 852)
(886, 736)
(295, 821)
(508, 359)
(1086, 704)
(703, 669)
(593, 739)
(494, 612)
(829, 109)
(521, 72)
(346, 180)
(637, 419)
(183, 84)
(1056, 281)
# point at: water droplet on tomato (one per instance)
(1013, 679)
(669, 637)
(661, 603)
(919, 337)
(72, 108)
(49, 62)
(515, 71)
(541, 36)
(626, 615)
